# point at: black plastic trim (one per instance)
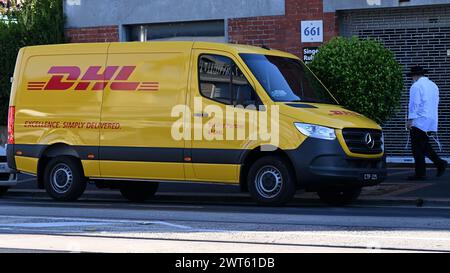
(141, 154)
(301, 105)
(10, 156)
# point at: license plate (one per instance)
(370, 177)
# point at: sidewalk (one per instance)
(396, 190)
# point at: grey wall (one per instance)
(335, 5)
(90, 13)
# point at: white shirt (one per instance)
(423, 105)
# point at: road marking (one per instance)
(64, 221)
(105, 244)
(170, 225)
(374, 236)
(53, 224)
(146, 243)
(92, 202)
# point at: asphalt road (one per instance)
(30, 224)
(177, 220)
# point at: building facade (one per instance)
(417, 31)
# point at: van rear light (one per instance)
(11, 116)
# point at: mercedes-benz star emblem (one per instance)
(370, 142)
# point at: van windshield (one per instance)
(287, 80)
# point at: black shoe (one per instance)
(417, 178)
(441, 169)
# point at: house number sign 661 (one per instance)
(312, 31)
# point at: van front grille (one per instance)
(363, 141)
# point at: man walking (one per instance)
(423, 121)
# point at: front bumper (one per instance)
(324, 164)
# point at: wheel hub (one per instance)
(269, 182)
(61, 178)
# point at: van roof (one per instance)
(92, 48)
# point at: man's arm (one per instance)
(414, 102)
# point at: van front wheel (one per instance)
(64, 178)
(339, 197)
(3, 190)
(271, 181)
(139, 192)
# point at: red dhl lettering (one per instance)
(95, 78)
(342, 113)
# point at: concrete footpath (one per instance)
(396, 190)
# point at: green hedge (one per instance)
(36, 22)
(362, 74)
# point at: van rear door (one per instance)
(57, 96)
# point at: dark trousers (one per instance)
(421, 147)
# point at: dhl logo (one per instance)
(342, 113)
(116, 77)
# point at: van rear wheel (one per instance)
(139, 192)
(64, 178)
(3, 190)
(271, 181)
(339, 197)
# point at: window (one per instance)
(208, 31)
(221, 80)
(287, 80)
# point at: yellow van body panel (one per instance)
(27, 164)
(90, 167)
(222, 173)
(145, 116)
(141, 170)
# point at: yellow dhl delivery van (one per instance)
(129, 116)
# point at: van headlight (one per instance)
(316, 131)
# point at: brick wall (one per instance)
(93, 34)
(279, 32)
(283, 32)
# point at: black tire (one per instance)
(64, 178)
(139, 192)
(339, 197)
(271, 181)
(3, 190)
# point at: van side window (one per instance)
(221, 80)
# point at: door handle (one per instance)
(201, 115)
